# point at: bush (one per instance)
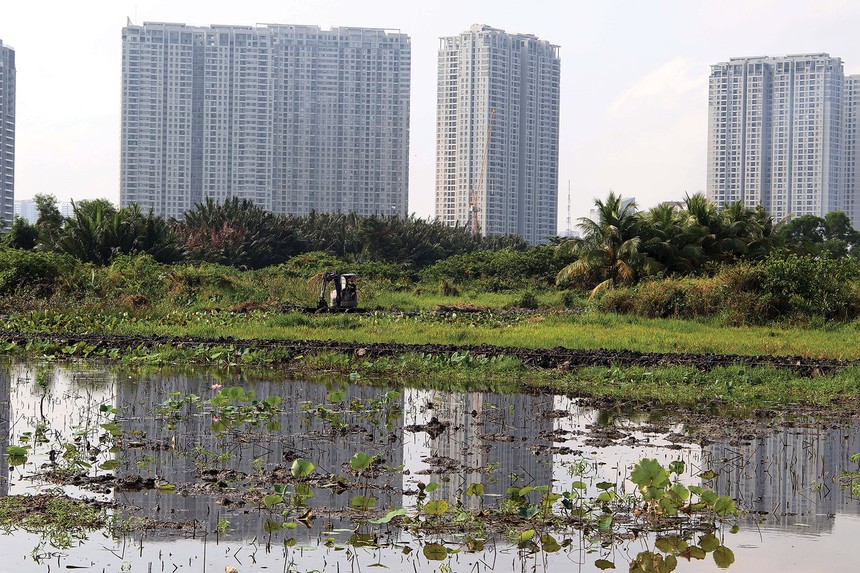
(527, 300)
(134, 275)
(31, 271)
(795, 287)
(306, 266)
(808, 286)
(618, 300)
(448, 289)
(494, 271)
(657, 299)
(571, 300)
(212, 283)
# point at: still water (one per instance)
(796, 518)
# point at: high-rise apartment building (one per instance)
(7, 134)
(497, 133)
(777, 134)
(294, 118)
(851, 182)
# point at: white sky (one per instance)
(633, 78)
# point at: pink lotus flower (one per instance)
(216, 386)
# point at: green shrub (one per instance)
(34, 272)
(808, 286)
(731, 294)
(792, 287)
(213, 283)
(131, 275)
(571, 299)
(495, 271)
(618, 300)
(448, 289)
(378, 271)
(527, 300)
(307, 265)
(661, 298)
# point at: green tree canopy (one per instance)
(50, 221)
(622, 245)
(21, 235)
(609, 251)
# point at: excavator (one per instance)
(343, 297)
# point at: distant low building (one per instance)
(26, 209)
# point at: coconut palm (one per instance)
(672, 237)
(609, 251)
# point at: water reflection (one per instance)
(453, 439)
(789, 475)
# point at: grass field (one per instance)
(534, 330)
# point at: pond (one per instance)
(201, 470)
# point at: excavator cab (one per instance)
(343, 296)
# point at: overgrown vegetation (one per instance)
(738, 388)
(242, 234)
(698, 279)
(729, 264)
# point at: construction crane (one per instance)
(476, 191)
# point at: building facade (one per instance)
(7, 135)
(27, 210)
(497, 133)
(294, 118)
(851, 183)
(777, 134)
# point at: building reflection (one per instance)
(480, 438)
(179, 456)
(5, 418)
(789, 475)
(453, 439)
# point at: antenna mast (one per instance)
(567, 232)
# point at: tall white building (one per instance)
(501, 89)
(295, 118)
(851, 181)
(777, 134)
(7, 134)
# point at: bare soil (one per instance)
(540, 358)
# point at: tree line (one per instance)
(241, 234)
(622, 245)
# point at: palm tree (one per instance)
(237, 232)
(96, 232)
(609, 251)
(671, 236)
(733, 232)
(88, 235)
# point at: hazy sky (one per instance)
(633, 78)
